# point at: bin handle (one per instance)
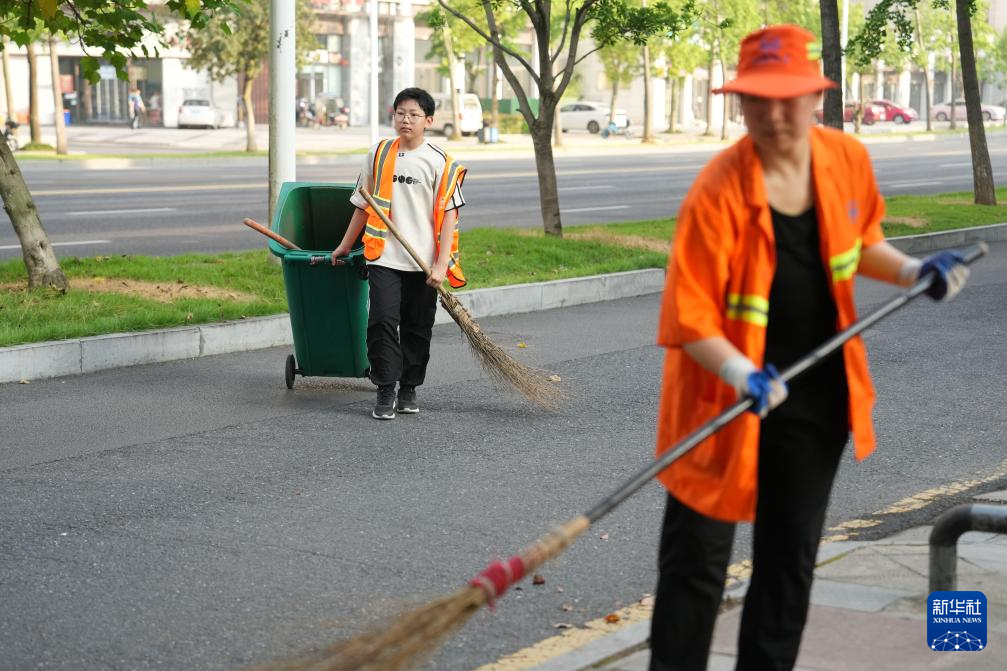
(251, 223)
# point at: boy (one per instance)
(419, 187)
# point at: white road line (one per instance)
(899, 185)
(586, 188)
(596, 209)
(955, 165)
(84, 213)
(65, 244)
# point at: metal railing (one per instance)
(944, 539)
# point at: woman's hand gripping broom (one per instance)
(410, 639)
(531, 383)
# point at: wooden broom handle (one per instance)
(251, 223)
(391, 227)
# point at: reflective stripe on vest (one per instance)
(748, 307)
(844, 265)
(375, 231)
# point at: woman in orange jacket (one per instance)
(762, 270)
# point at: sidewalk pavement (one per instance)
(315, 142)
(868, 611)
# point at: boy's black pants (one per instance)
(399, 325)
(796, 471)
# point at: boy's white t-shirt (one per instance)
(416, 181)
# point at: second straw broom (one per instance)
(531, 383)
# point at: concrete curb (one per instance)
(38, 361)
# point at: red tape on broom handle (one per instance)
(498, 577)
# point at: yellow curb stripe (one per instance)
(576, 637)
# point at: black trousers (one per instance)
(399, 325)
(797, 466)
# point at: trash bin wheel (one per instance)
(290, 370)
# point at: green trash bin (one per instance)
(327, 304)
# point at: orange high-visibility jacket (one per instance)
(719, 276)
(375, 230)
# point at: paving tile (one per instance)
(853, 597)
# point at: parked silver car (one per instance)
(591, 116)
(197, 113)
(942, 112)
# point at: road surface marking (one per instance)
(595, 209)
(586, 188)
(898, 185)
(65, 244)
(150, 189)
(85, 213)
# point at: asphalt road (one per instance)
(174, 206)
(197, 514)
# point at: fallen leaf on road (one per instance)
(24, 381)
(555, 378)
(559, 589)
(604, 536)
(647, 601)
(563, 625)
(612, 618)
(538, 579)
(567, 607)
(521, 345)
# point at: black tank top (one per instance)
(802, 315)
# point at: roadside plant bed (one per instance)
(114, 294)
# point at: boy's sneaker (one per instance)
(385, 406)
(407, 400)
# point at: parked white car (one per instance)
(469, 120)
(942, 112)
(591, 116)
(197, 113)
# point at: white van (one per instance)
(469, 119)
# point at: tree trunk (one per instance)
(57, 98)
(982, 169)
(832, 62)
(8, 86)
(548, 192)
(954, 122)
(709, 93)
(494, 100)
(456, 126)
(557, 129)
(927, 81)
(858, 112)
(723, 116)
(36, 127)
(671, 83)
(611, 105)
(39, 258)
(251, 144)
(648, 97)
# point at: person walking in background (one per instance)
(767, 245)
(419, 187)
(136, 108)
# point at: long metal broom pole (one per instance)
(803, 365)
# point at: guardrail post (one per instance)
(944, 539)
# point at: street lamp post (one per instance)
(282, 96)
(373, 103)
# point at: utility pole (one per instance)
(373, 113)
(282, 98)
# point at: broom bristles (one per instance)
(413, 637)
(531, 383)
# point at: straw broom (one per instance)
(412, 638)
(533, 384)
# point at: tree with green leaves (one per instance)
(868, 43)
(451, 38)
(681, 58)
(621, 64)
(105, 30)
(556, 31)
(235, 42)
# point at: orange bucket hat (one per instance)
(779, 62)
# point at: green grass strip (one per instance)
(491, 257)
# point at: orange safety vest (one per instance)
(375, 230)
(719, 276)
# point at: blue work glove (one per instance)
(765, 387)
(949, 274)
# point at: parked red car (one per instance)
(872, 113)
(896, 112)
